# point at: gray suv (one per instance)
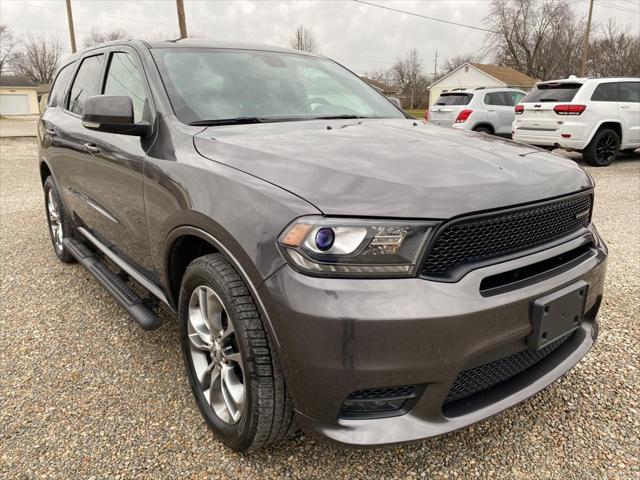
(333, 264)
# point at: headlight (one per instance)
(355, 248)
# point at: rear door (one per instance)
(538, 116)
(629, 111)
(445, 111)
(500, 111)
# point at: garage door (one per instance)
(14, 104)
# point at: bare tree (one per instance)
(7, 46)
(615, 52)
(452, 63)
(37, 57)
(538, 38)
(303, 39)
(97, 36)
(407, 74)
(382, 75)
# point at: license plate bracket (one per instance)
(557, 314)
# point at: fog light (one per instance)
(325, 238)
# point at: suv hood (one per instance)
(392, 168)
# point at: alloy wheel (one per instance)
(215, 355)
(606, 148)
(55, 222)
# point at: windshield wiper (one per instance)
(548, 100)
(226, 121)
(339, 117)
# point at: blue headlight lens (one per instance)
(325, 238)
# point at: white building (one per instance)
(474, 75)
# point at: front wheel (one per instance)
(60, 227)
(231, 363)
(603, 148)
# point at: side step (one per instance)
(123, 294)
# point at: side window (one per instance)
(85, 83)
(605, 92)
(59, 85)
(124, 78)
(629, 92)
(496, 98)
(514, 98)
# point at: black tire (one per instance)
(603, 148)
(64, 223)
(486, 130)
(267, 413)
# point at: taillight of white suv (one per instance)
(464, 115)
(569, 109)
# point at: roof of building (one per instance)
(507, 75)
(383, 87)
(16, 81)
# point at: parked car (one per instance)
(331, 262)
(595, 116)
(488, 110)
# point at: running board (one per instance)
(129, 300)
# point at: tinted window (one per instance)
(454, 99)
(123, 78)
(211, 84)
(59, 85)
(498, 98)
(514, 97)
(629, 92)
(605, 92)
(552, 92)
(85, 84)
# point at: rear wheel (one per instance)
(231, 364)
(483, 130)
(60, 227)
(603, 148)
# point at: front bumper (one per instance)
(336, 336)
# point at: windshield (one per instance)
(454, 99)
(209, 86)
(552, 92)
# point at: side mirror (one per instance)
(395, 101)
(112, 114)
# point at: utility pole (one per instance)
(182, 22)
(585, 47)
(72, 33)
(435, 66)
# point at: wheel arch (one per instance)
(45, 171)
(186, 243)
(614, 125)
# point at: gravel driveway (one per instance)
(84, 392)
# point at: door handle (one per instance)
(51, 132)
(91, 148)
(491, 109)
(624, 106)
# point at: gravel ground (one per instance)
(84, 392)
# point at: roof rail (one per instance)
(479, 88)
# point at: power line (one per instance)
(426, 17)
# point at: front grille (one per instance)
(488, 236)
(475, 380)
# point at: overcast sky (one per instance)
(362, 37)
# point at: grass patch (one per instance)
(416, 113)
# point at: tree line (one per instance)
(541, 39)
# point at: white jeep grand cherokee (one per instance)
(598, 117)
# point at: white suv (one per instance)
(598, 117)
(488, 110)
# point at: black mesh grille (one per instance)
(491, 236)
(477, 379)
(403, 391)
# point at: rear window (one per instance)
(552, 92)
(454, 99)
